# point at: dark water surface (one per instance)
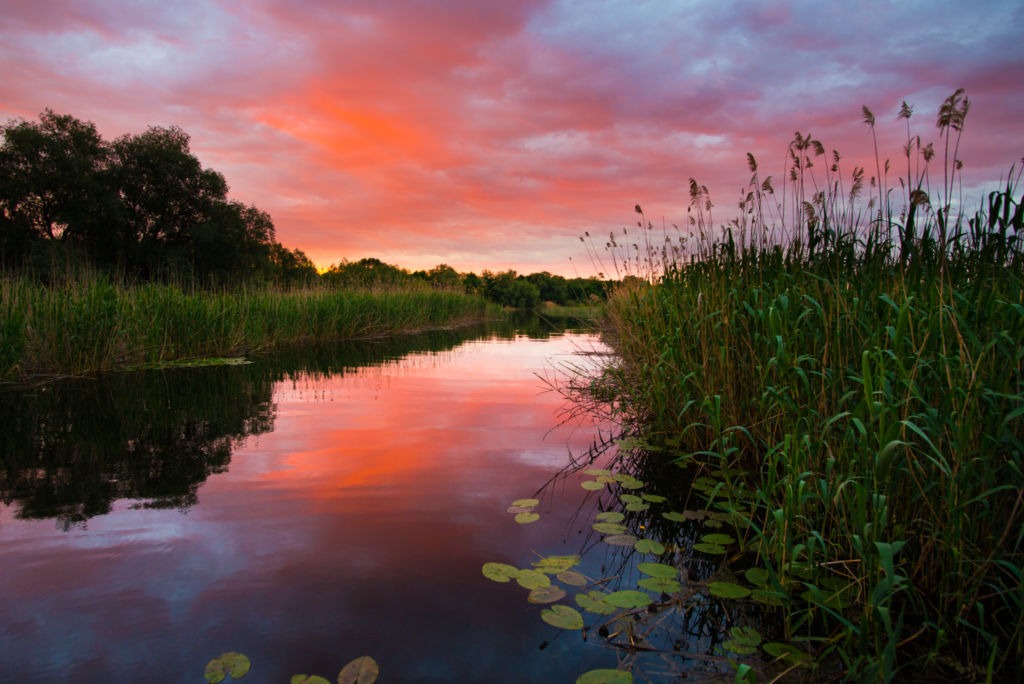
(304, 510)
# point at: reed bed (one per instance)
(853, 379)
(88, 325)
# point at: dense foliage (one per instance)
(142, 207)
(853, 381)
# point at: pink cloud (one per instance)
(491, 135)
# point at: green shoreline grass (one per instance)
(89, 325)
(856, 389)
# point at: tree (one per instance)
(52, 183)
(165, 195)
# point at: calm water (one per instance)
(303, 510)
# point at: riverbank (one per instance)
(90, 325)
(848, 385)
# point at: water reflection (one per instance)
(69, 450)
(304, 510)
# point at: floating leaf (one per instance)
(548, 594)
(526, 503)
(658, 570)
(605, 677)
(637, 507)
(712, 549)
(563, 617)
(609, 528)
(500, 572)
(785, 652)
(663, 585)
(591, 485)
(705, 484)
(527, 517)
(595, 603)
(631, 483)
(308, 679)
(718, 538)
(620, 540)
(650, 546)
(757, 576)
(553, 565)
(532, 579)
(769, 598)
(674, 516)
(728, 590)
(572, 578)
(230, 664)
(362, 670)
(631, 498)
(628, 598)
(610, 516)
(715, 524)
(746, 635)
(597, 471)
(738, 647)
(654, 498)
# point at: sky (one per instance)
(492, 134)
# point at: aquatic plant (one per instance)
(855, 376)
(88, 324)
(362, 670)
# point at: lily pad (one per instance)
(712, 549)
(562, 617)
(654, 498)
(500, 572)
(785, 652)
(628, 598)
(526, 503)
(610, 516)
(572, 578)
(308, 679)
(637, 507)
(769, 598)
(662, 585)
(594, 602)
(757, 576)
(620, 540)
(527, 517)
(605, 677)
(649, 546)
(631, 483)
(548, 594)
(609, 528)
(231, 664)
(738, 647)
(597, 471)
(362, 670)
(592, 485)
(532, 579)
(718, 538)
(728, 590)
(658, 570)
(552, 565)
(674, 516)
(746, 635)
(630, 498)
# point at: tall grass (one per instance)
(86, 324)
(855, 377)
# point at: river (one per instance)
(304, 509)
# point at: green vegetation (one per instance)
(853, 381)
(233, 665)
(91, 325)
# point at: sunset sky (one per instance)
(492, 134)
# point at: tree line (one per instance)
(143, 208)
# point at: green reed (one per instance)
(856, 376)
(88, 325)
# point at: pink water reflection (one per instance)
(358, 525)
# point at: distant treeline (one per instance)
(143, 209)
(506, 288)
